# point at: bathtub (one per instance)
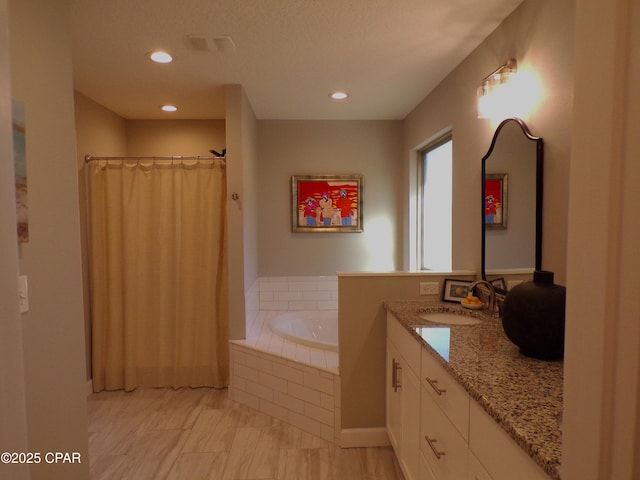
(314, 328)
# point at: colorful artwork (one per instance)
(326, 203)
(20, 160)
(495, 201)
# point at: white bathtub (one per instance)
(314, 328)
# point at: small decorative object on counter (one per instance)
(472, 302)
(533, 317)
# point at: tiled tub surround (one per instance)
(295, 383)
(521, 394)
(298, 394)
(298, 293)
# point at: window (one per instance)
(435, 182)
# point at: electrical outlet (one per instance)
(429, 288)
(23, 291)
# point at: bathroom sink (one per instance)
(450, 318)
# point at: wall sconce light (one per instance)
(493, 94)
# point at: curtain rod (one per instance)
(89, 158)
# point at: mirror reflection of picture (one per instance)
(495, 200)
(513, 151)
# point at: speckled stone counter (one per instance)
(523, 395)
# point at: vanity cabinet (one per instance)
(450, 397)
(442, 446)
(497, 452)
(403, 398)
(444, 421)
(476, 471)
(436, 429)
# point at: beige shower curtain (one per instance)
(158, 273)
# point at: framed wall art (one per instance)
(499, 283)
(495, 201)
(326, 203)
(20, 162)
(455, 290)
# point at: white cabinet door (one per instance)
(440, 442)
(403, 397)
(410, 424)
(476, 470)
(446, 392)
(499, 454)
(425, 471)
(393, 393)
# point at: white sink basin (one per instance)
(450, 318)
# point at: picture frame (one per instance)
(327, 203)
(495, 201)
(499, 283)
(455, 290)
(20, 166)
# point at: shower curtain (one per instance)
(158, 273)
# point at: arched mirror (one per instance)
(512, 201)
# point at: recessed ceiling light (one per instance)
(160, 57)
(338, 95)
(169, 108)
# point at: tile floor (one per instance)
(200, 434)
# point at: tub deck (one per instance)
(260, 337)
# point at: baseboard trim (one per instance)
(364, 437)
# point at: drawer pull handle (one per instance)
(395, 380)
(434, 385)
(432, 442)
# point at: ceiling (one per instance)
(287, 54)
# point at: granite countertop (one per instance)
(523, 395)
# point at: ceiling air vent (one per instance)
(212, 43)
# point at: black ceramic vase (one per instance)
(533, 317)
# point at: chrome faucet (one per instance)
(492, 303)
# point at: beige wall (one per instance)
(363, 333)
(53, 329)
(174, 137)
(289, 148)
(601, 416)
(242, 159)
(103, 133)
(100, 132)
(539, 34)
(250, 200)
(13, 435)
(601, 423)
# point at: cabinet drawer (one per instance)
(442, 446)
(408, 346)
(446, 392)
(425, 471)
(476, 470)
(498, 452)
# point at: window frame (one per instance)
(422, 153)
